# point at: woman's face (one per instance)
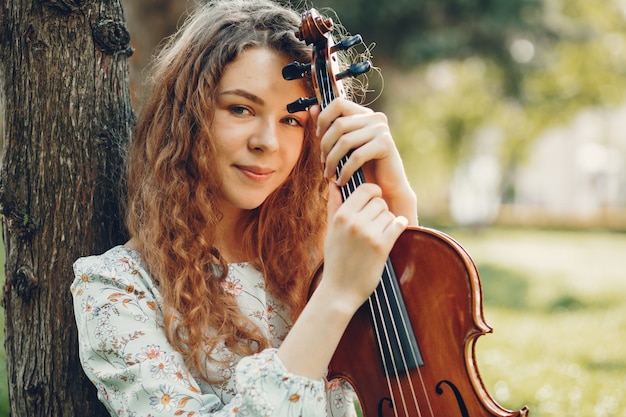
(257, 141)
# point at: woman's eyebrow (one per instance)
(246, 94)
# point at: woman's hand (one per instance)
(344, 126)
(360, 235)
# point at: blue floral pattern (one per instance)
(124, 351)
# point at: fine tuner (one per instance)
(297, 70)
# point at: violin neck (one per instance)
(397, 344)
(357, 178)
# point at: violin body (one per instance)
(441, 288)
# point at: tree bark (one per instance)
(68, 118)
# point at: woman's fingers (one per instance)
(346, 128)
(361, 228)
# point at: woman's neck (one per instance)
(228, 237)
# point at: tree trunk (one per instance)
(68, 118)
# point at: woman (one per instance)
(232, 202)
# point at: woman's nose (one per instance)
(264, 138)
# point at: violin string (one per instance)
(395, 300)
(356, 180)
(345, 192)
(376, 300)
(352, 184)
(386, 370)
(404, 330)
(413, 353)
(384, 306)
(376, 308)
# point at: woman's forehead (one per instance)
(260, 69)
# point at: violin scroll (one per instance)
(316, 30)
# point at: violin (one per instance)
(409, 351)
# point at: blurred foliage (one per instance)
(422, 30)
(409, 32)
(465, 77)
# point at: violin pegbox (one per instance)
(324, 68)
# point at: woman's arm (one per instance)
(361, 231)
(126, 355)
(360, 236)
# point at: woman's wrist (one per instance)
(312, 341)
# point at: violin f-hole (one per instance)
(381, 404)
(457, 394)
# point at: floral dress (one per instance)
(125, 353)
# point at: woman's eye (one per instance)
(240, 110)
(292, 121)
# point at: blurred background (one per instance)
(511, 118)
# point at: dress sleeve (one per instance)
(126, 355)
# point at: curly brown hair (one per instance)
(172, 184)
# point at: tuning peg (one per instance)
(346, 43)
(301, 104)
(354, 70)
(295, 70)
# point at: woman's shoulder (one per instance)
(117, 259)
(120, 266)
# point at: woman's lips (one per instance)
(258, 174)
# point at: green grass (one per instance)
(557, 303)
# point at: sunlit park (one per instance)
(511, 119)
